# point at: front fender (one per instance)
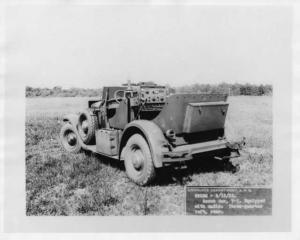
(153, 135)
(71, 118)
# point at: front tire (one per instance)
(69, 139)
(87, 124)
(138, 160)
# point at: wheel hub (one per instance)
(71, 138)
(137, 159)
(85, 126)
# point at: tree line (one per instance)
(60, 92)
(235, 89)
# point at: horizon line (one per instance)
(236, 83)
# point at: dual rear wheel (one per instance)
(86, 127)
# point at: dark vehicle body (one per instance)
(145, 126)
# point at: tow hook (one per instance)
(235, 148)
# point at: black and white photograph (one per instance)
(149, 110)
(126, 106)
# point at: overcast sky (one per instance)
(93, 46)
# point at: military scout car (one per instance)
(148, 128)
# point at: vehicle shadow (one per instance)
(114, 163)
(177, 175)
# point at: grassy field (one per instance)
(59, 183)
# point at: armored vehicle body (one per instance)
(147, 127)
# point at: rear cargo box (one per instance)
(172, 115)
(107, 141)
(204, 116)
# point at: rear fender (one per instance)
(153, 135)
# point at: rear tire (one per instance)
(138, 160)
(87, 124)
(69, 139)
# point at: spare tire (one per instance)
(87, 125)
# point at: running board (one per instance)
(92, 148)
